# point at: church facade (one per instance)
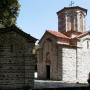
(64, 55)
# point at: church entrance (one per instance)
(48, 72)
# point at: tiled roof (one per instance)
(75, 7)
(58, 34)
(81, 35)
(68, 38)
(70, 33)
(67, 35)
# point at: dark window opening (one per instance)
(87, 44)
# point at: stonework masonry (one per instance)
(16, 59)
(48, 47)
(64, 55)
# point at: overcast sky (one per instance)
(36, 16)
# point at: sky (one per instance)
(37, 16)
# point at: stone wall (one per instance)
(60, 62)
(16, 61)
(47, 55)
(83, 55)
(68, 64)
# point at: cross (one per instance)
(71, 4)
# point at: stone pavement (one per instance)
(39, 84)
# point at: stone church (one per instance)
(16, 59)
(64, 55)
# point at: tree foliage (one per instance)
(9, 10)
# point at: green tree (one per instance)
(9, 10)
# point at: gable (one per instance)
(18, 31)
(84, 37)
(47, 36)
(57, 37)
(84, 41)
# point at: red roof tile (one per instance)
(66, 38)
(70, 33)
(66, 35)
(58, 34)
(81, 35)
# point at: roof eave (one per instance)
(75, 7)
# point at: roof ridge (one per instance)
(17, 30)
(58, 34)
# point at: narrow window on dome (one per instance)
(87, 44)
